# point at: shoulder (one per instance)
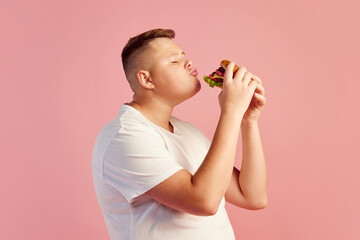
(132, 122)
(127, 130)
(134, 139)
(136, 136)
(184, 124)
(189, 128)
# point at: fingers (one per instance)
(260, 89)
(247, 78)
(260, 100)
(256, 78)
(228, 72)
(240, 73)
(260, 97)
(243, 75)
(252, 85)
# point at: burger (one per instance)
(216, 78)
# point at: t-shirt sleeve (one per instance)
(136, 160)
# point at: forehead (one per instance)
(165, 47)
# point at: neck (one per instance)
(155, 111)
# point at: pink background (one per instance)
(62, 80)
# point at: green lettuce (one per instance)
(212, 83)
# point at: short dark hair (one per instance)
(138, 43)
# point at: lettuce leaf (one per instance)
(212, 83)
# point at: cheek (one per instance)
(170, 79)
(165, 82)
(172, 86)
(172, 82)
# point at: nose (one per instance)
(188, 64)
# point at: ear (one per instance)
(145, 79)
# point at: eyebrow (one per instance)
(176, 54)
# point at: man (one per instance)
(158, 177)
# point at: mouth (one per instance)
(194, 72)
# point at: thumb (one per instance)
(220, 94)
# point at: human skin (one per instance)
(158, 91)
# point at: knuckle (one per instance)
(256, 78)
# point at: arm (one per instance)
(248, 188)
(201, 193)
(253, 176)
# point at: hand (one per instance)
(257, 102)
(237, 92)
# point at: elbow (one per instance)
(209, 207)
(258, 204)
(210, 212)
(261, 204)
(212, 209)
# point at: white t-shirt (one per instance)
(132, 155)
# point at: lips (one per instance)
(194, 72)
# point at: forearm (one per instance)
(253, 173)
(213, 176)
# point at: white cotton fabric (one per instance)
(132, 155)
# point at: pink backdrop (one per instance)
(62, 80)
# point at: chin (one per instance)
(198, 86)
(189, 93)
(196, 90)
